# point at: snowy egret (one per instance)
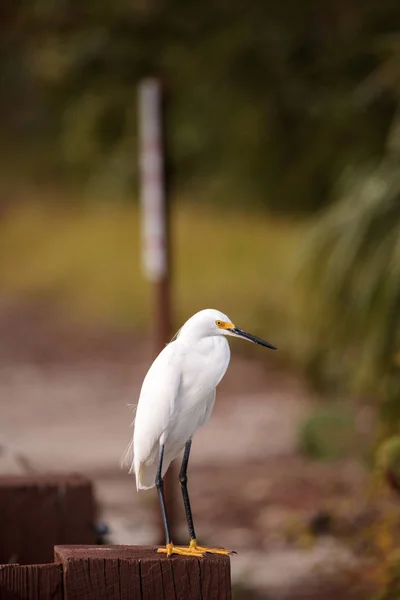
(177, 397)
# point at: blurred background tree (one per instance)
(271, 102)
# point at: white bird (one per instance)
(177, 397)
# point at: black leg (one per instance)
(160, 489)
(185, 494)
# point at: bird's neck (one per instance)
(201, 343)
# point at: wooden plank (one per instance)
(37, 512)
(32, 582)
(214, 580)
(78, 511)
(98, 572)
(139, 573)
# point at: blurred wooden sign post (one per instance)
(154, 200)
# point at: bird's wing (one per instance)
(157, 403)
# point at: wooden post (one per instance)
(39, 511)
(32, 582)
(139, 573)
(155, 188)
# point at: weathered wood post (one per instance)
(31, 582)
(39, 511)
(139, 573)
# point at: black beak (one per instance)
(252, 338)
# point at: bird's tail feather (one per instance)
(127, 461)
(146, 472)
(127, 457)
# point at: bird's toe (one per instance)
(206, 550)
(170, 549)
(194, 547)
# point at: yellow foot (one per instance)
(171, 549)
(193, 547)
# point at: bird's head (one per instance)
(211, 322)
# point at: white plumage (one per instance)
(177, 397)
(178, 393)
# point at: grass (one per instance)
(87, 262)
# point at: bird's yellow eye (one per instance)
(219, 323)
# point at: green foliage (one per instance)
(352, 264)
(354, 259)
(356, 254)
(328, 433)
(267, 103)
